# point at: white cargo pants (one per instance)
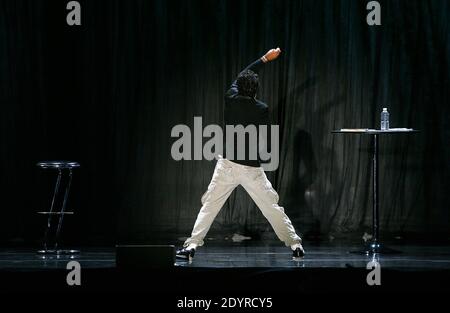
(227, 176)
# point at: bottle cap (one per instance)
(384, 109)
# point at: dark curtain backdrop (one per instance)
(107, 94)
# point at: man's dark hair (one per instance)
(247, 83)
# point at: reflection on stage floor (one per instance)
(412, 257)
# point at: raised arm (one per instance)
(271, 55)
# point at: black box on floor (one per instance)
(145, 256)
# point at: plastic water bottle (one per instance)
(385, 119)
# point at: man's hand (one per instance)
(271, 55)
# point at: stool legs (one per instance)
(63, 208)
(49, 220)
(61, 212)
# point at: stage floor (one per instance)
(234, 270)
(318, 256)
(411, 257)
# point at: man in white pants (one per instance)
(242, 108)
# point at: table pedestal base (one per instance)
(372, 248)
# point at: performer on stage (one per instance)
(242, 108)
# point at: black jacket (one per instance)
(241, 110)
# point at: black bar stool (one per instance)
(64, 168)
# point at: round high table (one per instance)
(375, 246)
